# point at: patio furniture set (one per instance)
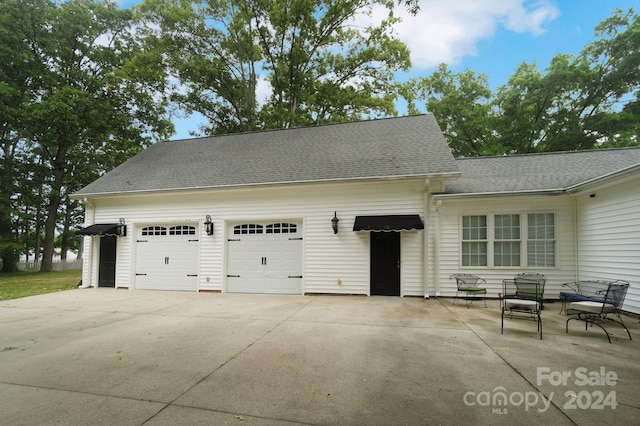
(593, 302)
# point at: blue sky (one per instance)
(489, 36)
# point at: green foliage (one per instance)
(259, 64)
(459, 102)
(582, 102)
(79, 95)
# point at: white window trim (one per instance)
(524, 238)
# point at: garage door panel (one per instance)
(167, 262)
(264, 262)
(246, 284)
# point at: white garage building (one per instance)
(252, 213)
(374, 207)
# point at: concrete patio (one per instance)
(104, 356)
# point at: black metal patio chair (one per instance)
(521, 298)
(600, 312)
(469, 285)
(580, 291)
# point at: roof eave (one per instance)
(544, 192)
(447, 175)
(600, 180)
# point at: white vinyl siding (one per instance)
(609, 237)
(332, 263)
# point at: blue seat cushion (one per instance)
(580, 297)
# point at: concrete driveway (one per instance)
(104, 356)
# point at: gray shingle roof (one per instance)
(391, 147)
(539, 172)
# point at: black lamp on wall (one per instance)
(122, 228)
(334, 223)
(208, 225)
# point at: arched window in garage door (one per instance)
(182, 230)
(282, 228)
(154, 230)
(248, 229)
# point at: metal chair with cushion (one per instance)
(521, 298)
(534, 276)
(470, 285)
(580, 291)
(599, 312)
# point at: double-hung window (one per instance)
(541, 239)
(474, 240)
(507, 241)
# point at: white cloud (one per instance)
(448, 30)
(263, 90)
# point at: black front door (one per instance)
(107, 268)
(385, 264)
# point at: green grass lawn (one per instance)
(23, 284)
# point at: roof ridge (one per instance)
(549, 153)
(260, 131)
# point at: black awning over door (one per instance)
(388, 223)
(103, 230)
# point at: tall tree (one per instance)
(20, 21)
(521, 108)
(460, 102)
(255, 64)
(578, 102)
(91, 104)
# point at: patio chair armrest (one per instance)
(573, 286)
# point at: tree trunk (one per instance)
(9, 254)
(38, 226)
(64, 241)
(49, 234)
(52, 210)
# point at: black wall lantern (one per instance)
(334, 223)
(208, 225)
(122, 228)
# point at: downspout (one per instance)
(576, 240)
(425, 236)
(437, 247)
(88, 266)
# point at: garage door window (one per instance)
(282, 228)
(248, 228)
(154, 230)
(182, 230)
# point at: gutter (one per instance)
(603, 179)
(88, 267)
(502, 193)
(79, 196)
(437, 248)
(582, 186)
(425, 239)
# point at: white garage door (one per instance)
(265, 258)
(167, 258)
